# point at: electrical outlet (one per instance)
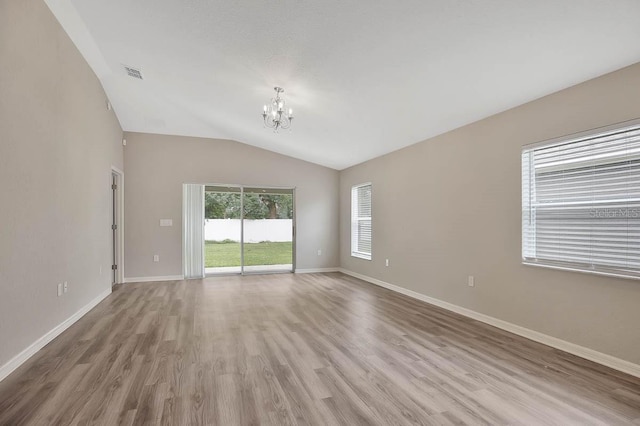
(386, 262)
(65, 286)
(60, 289)
(319, 252)
(471, 281)
(156, 258)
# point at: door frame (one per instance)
(119, 219)
(293, 226)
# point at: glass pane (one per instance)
(222, 230)
(268, 230)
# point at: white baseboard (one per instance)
(316, 270)
(563, 345)
(149, 279)
(23, 356)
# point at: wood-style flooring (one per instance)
(319, 349)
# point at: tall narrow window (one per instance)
(361, 221)
(581, 202)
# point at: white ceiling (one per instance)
(364, 77)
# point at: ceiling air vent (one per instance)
(132, 72)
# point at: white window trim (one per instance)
(354, 221)
(360, 255)
(587, 269)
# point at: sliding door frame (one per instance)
(293, 225)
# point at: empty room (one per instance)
(423, 212)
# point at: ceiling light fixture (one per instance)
(274, 115)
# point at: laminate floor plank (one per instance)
(312, 349)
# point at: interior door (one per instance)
(114, 228)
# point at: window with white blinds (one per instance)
(361, 221)
(581, 202)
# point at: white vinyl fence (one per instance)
(255, 230)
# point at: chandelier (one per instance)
(274, 115)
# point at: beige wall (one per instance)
(157, 166)
(449, 207)
(57, 145)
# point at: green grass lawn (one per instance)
(219, 254)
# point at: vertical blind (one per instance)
(193, 230)
(581, 202)
(361, 232)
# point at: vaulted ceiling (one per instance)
(364, 77)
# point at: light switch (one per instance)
(166, 222)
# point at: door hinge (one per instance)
(114, 186)
(114, 227)
(114, 267)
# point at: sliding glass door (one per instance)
(267, 230)
(248, 229)
(222, 230)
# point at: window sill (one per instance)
(361, 255)
(613, 274)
